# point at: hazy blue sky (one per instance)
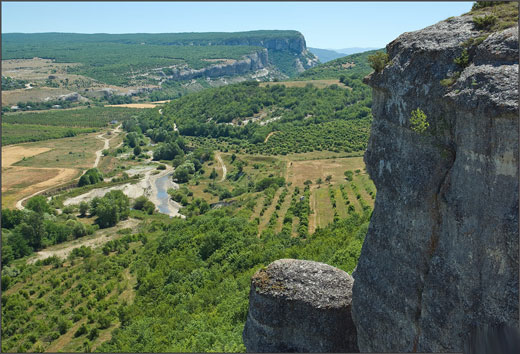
(324, 24)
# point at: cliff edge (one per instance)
(441, 254)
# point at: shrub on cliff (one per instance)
(484, 22)
(378, 61)
(418, 121)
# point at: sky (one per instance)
(331, 25)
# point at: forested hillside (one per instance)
(120, 59)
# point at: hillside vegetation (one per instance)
(45, 125)
(263, 171)
(121, 59)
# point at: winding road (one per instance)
(99, 153)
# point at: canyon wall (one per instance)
(441, 254)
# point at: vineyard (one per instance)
(83, 117)
(21, 133)
(46, 125)
(309, 200)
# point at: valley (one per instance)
(171, 176)
(150, 182)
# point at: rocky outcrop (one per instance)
(441, 254)
(72, 97)
(248, 64)
(300, 306)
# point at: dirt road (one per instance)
(224, 168)
(99, 153)
(64, 175)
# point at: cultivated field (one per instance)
(33, 167)
(272, 210)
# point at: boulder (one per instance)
(300, 306)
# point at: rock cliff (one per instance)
(441, 254)
(247, 64)
(300, 306)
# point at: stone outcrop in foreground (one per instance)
(300, 306)
(440, 258)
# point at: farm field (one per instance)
(77, 151)
(296, 169)
(79, 117)
(94, 303)
(32, 167)
(21, 133)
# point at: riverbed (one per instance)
(153, 186)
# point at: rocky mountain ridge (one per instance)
(249, 63)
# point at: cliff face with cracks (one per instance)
(249, 63)
(441, 254)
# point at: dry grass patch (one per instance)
(78, 151)
(19, 182)
(300, 171)
(14, 153)
(36, 94)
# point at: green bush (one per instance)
(484, 22)
(92, 176)
(481, 4)
(378, 61)
(418, 121)
(463, 59)
(83, 329)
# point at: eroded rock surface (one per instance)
(441, 254)
(300, 306)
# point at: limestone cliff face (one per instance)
(441, 253)
(247, 64)
(295, 44)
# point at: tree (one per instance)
(319, 181)
(328, 178)
(92, 176)
(38, 204)
(114, 206)
(349, 175)
(149, 207)
(19, 245)
(137, 150)
(83, 208)
(33, 230)
(213, 174)
(181, 174)
(307, 182)
(140, 202)
(7, 257)
(11, 218)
